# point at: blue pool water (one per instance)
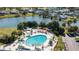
(36, 40)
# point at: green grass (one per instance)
(14, 15)
(60, 45)
(30, 14)
(7, 31)
(77, 17)
(77, 38)
(8, 16)
(1, 44)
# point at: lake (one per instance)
(12, 22)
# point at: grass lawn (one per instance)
(7, 31)
(77, 17)
(8, 16)
(77, 38)
(60, 44)
(14, 15)
(30, 14)
(1, 44)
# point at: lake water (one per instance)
(12, 22)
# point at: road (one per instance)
(70, 43)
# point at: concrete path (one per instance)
(70, 43)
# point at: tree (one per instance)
(69, 22)
(56, 33)
(32, 24)
(42, 24)
(20, 26)
(8, 39)
(73, 29)
(61, 31)
(51, 17)
(64, 24)
(24, 25)
(2, 8)
(14, 33)
(53, 25)
(74, 20)
(20, 33)
(49, 25)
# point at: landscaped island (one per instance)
(39, 29)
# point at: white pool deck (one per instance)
(49, 36)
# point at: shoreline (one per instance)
(16, 15)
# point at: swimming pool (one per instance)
(36, 40)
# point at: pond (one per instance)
(12, 22)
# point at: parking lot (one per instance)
(70, 43)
